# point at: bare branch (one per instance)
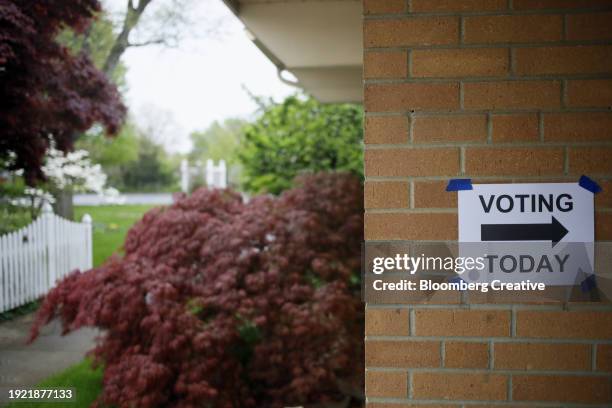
(157, 41)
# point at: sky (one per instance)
(206, 78)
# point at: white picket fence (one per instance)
(214, 175)
(33, 258)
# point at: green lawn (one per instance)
(86, 382)
(111, 223)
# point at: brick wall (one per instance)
(498, 91)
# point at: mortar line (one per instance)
(443, 353)
(491, 355)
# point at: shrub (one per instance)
(300, 136)
(220, 303)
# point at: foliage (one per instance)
(45, 91)
(219, 141)
(132, 160)
(75, 171)
(222, 303)
(153, 170)
(82, 377)
(19, 203)
(96, 41)
(12, 215)
(23, 310)
(299, 136)
(111, 153)
(110, 226)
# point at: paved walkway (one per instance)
(25, 365)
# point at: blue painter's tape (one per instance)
(456, 279)
(588, 284)
(459, 184)
(589, 184)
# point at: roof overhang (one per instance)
(318, 41)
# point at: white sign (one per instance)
(541, 232)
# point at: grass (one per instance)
(19, 311)
(86, 382)
(111, 224)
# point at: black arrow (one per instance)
(553, 231)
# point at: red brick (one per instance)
(586, 27)
(578, 127)
(519, 161)
(559, 4)
(386, 384)
(384, 6)
(561, 388)
(590, 93)
(433, 6)
(410, 226)
(564, 325)
(595, 59)
(411, 31)
(386, 129)
(389, 64)
(386, 194)
(541, 356)
(404, 162)
(472, 323)
(459, 386)
(590, 160)
(515, 128)
(433, 194)
(603, 226)
(411, 96)
(463, 354)
(402, 354)
(460, 62)
(604, 357)
(604, 198)
(512, 95)
(513, 28)
(387, 322)
(449, 128)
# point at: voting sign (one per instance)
(542, 232)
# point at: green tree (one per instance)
(299, 136)
(152, 171)
(219, 141)
(120, 150)
(113, 154)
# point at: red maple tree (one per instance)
(46, 92)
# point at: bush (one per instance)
(300, 136)
(219, 303)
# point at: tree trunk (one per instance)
(63, 204)
(122, 42)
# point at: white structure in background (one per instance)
(184, 176)
(214, 175)
(33, 258)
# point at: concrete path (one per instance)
(25, 365)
